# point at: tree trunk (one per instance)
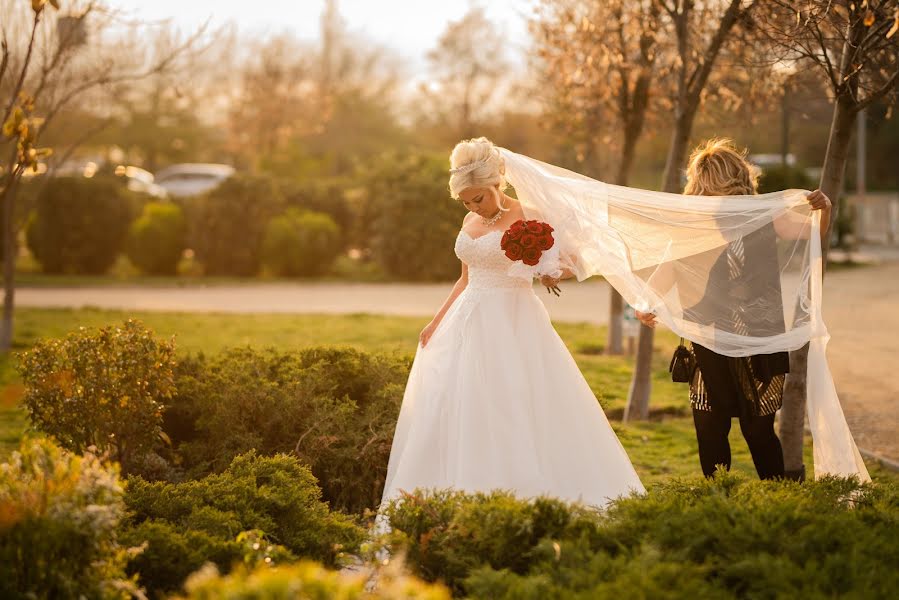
(637, 408)
(641, 384)
(615, 342)
(9, 265)
(792, 415)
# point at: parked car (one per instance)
(190, 179)
(140, 180)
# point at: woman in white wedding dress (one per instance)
(494, 399)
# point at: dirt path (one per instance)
(860, 310)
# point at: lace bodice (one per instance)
(488, 265)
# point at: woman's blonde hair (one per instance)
(476, 163)
(718, 168)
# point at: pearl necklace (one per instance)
(492, 220)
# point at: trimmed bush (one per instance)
(157, 239)
(58, 518)
(301, 244)
(778, 178)
(725, 538)
(412, 221)
(79, 225)
(334, 408)
(307, 579)
(188, 523)
(326, 196)
(101, 389)
(227, 225)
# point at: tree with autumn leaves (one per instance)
(853, 45)
(54, 55)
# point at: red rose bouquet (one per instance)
(527, 240)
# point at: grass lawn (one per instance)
(662, 448)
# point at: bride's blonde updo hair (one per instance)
(476, 163)
(718, 168)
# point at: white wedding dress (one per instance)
(495, 400)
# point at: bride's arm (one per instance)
(458, 288)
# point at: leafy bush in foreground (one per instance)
(186, 524)
(334, 408)
(101, 389)
(58, 518)
(686, 539)
(307, 580)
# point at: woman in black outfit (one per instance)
(748, 388)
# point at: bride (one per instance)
(494, 400)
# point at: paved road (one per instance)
(860, 310)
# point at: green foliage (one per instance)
(101, 389)
(774, 179)
(327, 196)
(227, 224)
(301, 243)
(79, 225)
(58, 515)
(411, 220)
(188, 523)
(690, 538)
(335, 408)
(157, 238)
(307, 580)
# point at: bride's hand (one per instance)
(426, 333)
(551, 284)
(647, 319)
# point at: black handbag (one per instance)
(683, 364)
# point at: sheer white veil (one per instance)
(665, 253)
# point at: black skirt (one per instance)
(738, 387)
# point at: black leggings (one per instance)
(712, 430)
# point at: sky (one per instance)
(410, 27)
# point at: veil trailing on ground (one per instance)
(741, 275)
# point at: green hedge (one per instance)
(729, 537)
(157, 239)
(227, 224)
(410, 219)
(335, 408)
(301, 243)
(58, 518)
(79, 225)
(188, 523)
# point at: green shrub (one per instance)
(412, 221)
(157, 239)
(227, 225)
(79, 225)
(326, 196)
(778, 178)
(301, 244)
(101, 388)
(710, 539)
(334, 408)
(277, 495)
(307, 580)
(58, 515)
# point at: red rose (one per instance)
(517, 226)
(535, 227)
(514, 251)
(529, 240)
(547, 228)
(507, 237)
(531, 256)
(545, 241)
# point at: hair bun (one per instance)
(476, 163)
